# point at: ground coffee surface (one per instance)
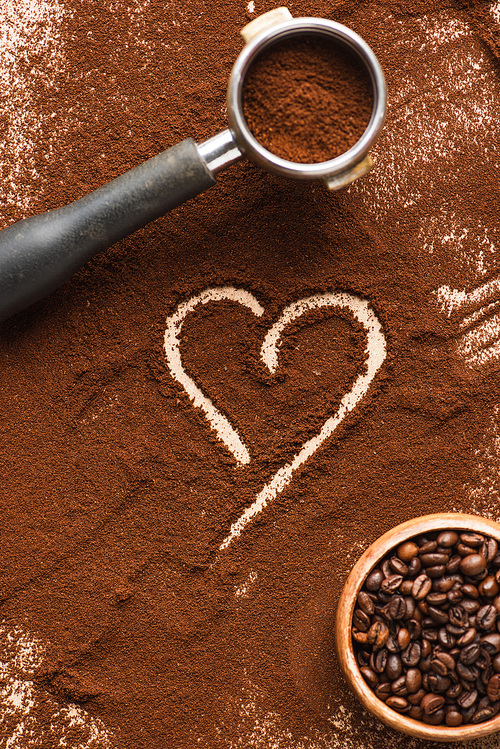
(205, 428)
(307, 99)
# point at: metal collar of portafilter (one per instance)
(337, 172)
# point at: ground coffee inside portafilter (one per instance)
(426, 628)
(307, 100)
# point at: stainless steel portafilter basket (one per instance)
(40, 253)
(343, 169)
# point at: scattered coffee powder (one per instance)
(124, 624)
(426, 628)
(307, 99)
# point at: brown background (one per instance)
(115, 494)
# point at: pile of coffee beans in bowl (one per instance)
(426, 628)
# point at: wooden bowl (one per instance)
(345, 611)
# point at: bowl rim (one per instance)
(345, 610)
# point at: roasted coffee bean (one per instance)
(468, 637)
(489, 549)
(438, 683)
(403, 638)
(360, 637)
(483, 713)
(455, 595)
(432, 635)
(377, 635)
(399, 686)
(423, 606)
(471, 539)
(470, 591)
(413, 680)
(369, 676)
(435, 719)
(467, 673)
(467, 699)
(426, 648)
(410, 604)
(443, 663)
(425, 664)
(469, 654)
(496, 603)
(486, 616)
(416, 697)
(453, 717)
(428, 623)
(469, 713)
(491, 643)
(393, 645)
(493, 688)
(363, 658)
(391, 583)
(467, 686)
(428, 547)
(412, 654)
(434, 559)
(397, 703)
(374, 580)
(472, 564)
(464, 550)
(485, 665)
(488, 587)
(415, 629)
(480, 685)
(437, 599)
(454, 691)
(398, 566)
(386, 568)
(447, 538)
(458, 616)
(361, 620)
(477, 578)
(383, 691)
(365, 603)
(438, 615)
(496, 664)
(405, 587)
(414, 567)
(431, 703)
(454, 564)
(435, 572)
(445, 584)
(418, 615)
(416, 712)
(394, 667)
(378, 660)
(438, 667)
(396, 608)
(407, 551)
(445, 638)
(421, 587)
(455, 631)
(470, 606)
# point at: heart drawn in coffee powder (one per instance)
(358, 308)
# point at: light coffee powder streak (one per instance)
(29, 40)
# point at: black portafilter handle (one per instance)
(38, 254)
